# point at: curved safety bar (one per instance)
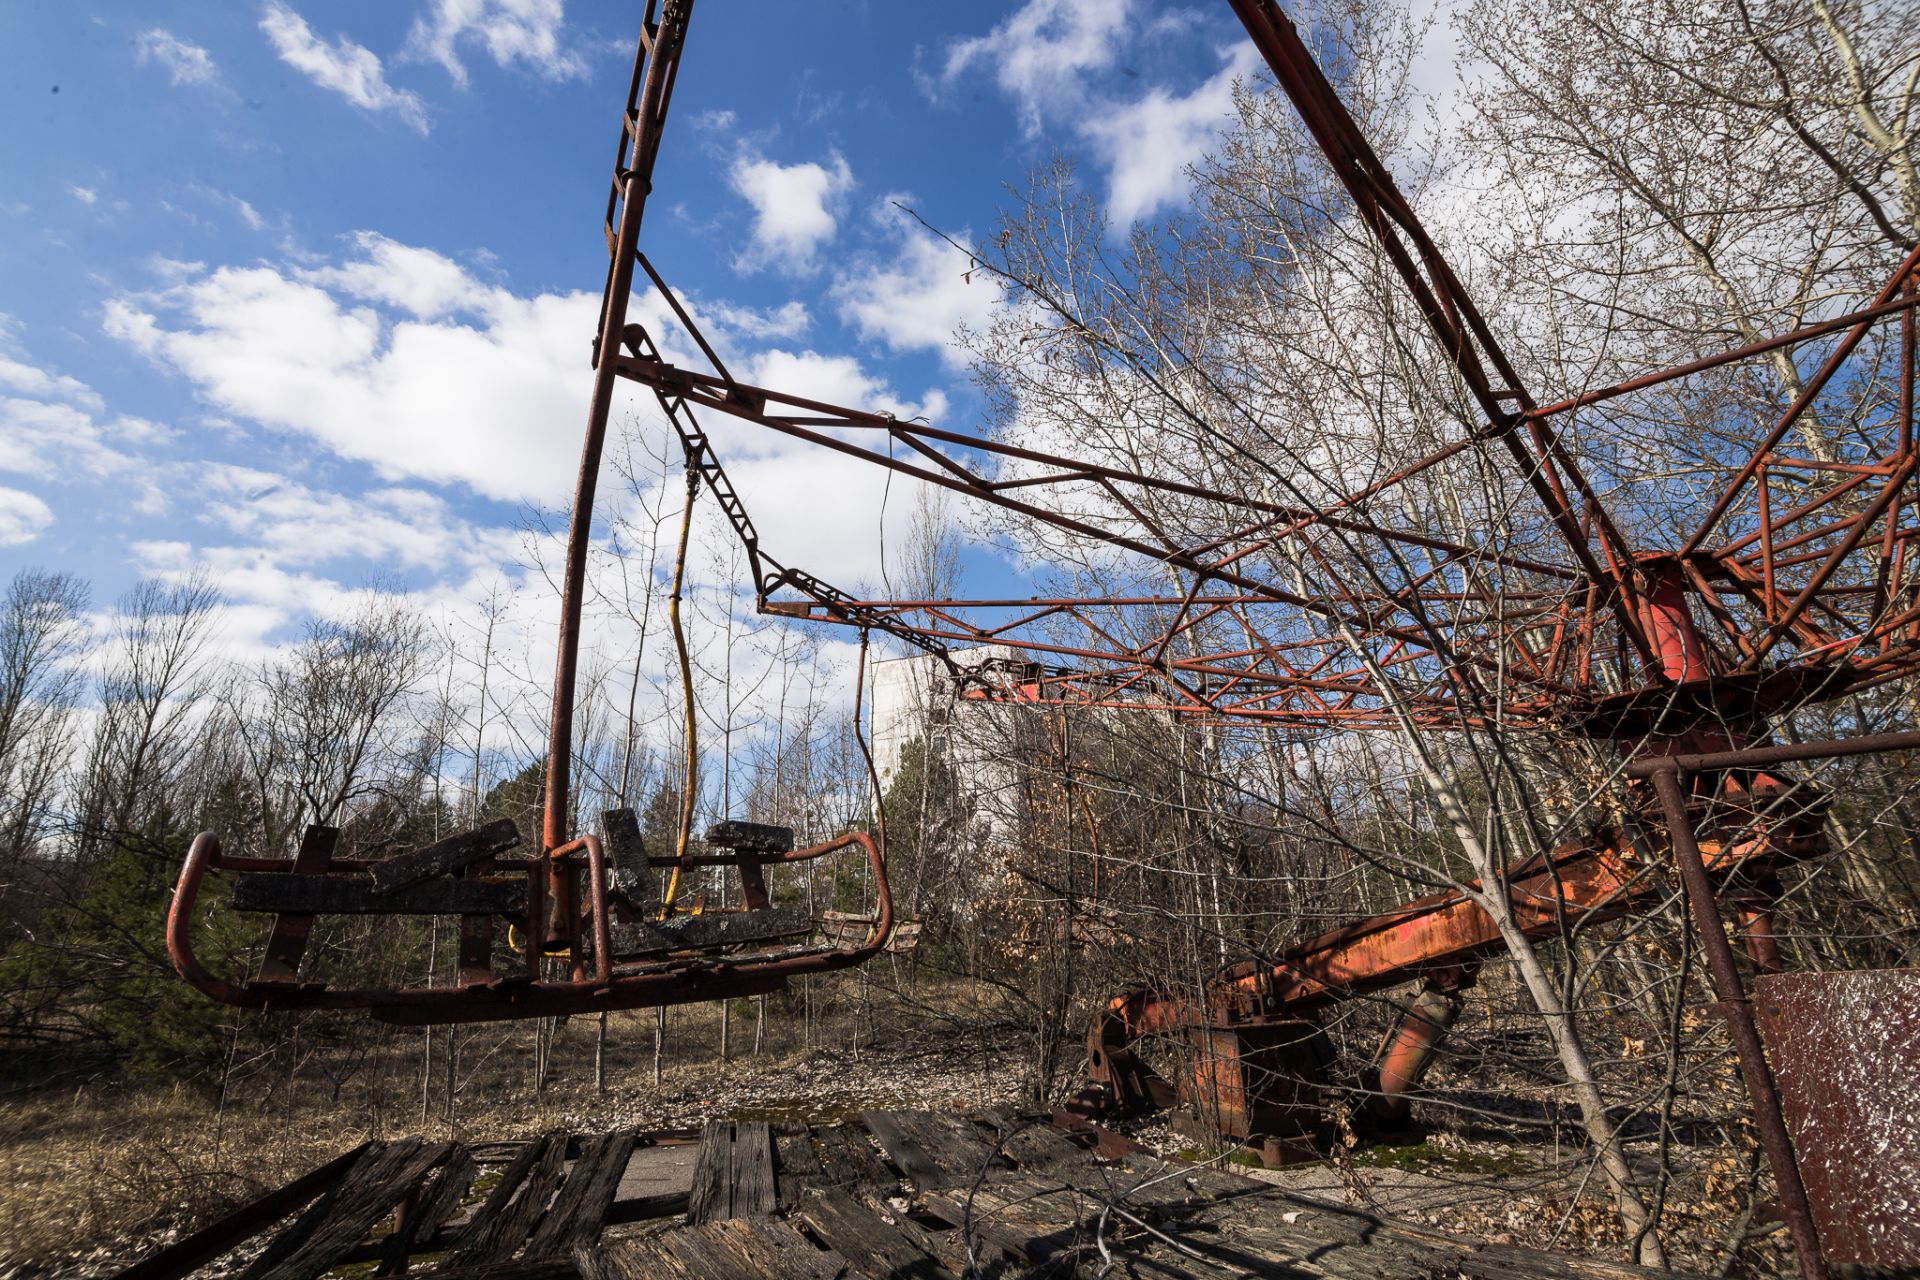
(883, 924)
(204, 852)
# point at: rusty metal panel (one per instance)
(1844, 1048)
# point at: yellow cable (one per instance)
(689, 785)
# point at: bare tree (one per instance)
(41, 638)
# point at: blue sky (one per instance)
(299, 292)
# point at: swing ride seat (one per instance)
(586, 927)
(646, 929)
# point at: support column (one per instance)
(1410, 1050)
(1738, 1011)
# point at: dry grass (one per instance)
(91, 1178)
(86, 1175)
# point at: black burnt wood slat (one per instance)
(580, 1209)
(750, 837)
(716, 929)
(895, 1131)
(671, 1204)
(280, 891)
(442, 856)
(502, 1237)
(476, 936)
(319, 1211)
(433, 1208)
(629, 875)
(203, 1246)
(875, 1248)
(471, 1242)
(288, 941)
(796, 1165)
(365, 1196)
(848, 1160)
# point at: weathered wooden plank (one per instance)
(203, 1246)
(796, 1166)
(648, 1259)
(733, 1177)
(709, 929)
(280, 962)
(365, 1196)
(932, 1149)
(539, 1269)
(671, 1204)
(848, 1160)
(1268, 1245)
(283, 1245)
(629, 875)
(1038, 1147)
(580, 1209)
(472, 1242)
(873, 1247)
(851, 929)
(1033, 1217)
(507, 1232)
(794, 1156)
(752, 1175)
(443, 856)
(709, 1198)
(279, 891)
(433, 1208)
(753, 1249)
(896, 1132)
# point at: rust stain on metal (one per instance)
(1845, 1049)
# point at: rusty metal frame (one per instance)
(1759, 609)
(1703, 624)
(1768, 603)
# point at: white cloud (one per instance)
(526, 31)
(837, 380)
(919, 296)
(794, 209)
(1040, 55)
(186, 63)
(248, 214)
(480, 402)
(23, 517)
(788, 320)
(397, 357)
(60, 444)
(1148, 145)
(425, 284)
(85, 195)
(350, 70)
(52, 429)
(300, 526)
(28, 380)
